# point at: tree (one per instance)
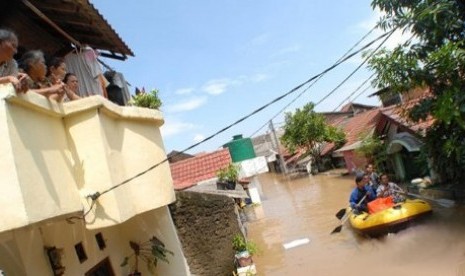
(307, 129)
(435, 58)
(374, 149)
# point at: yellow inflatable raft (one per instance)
(391, 219)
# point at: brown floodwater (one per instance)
(304, 208)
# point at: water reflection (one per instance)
(305, 208)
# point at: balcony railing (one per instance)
(53, 156)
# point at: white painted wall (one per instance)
(54, 155)
(22, 250)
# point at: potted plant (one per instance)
(244, 250)
(150, 251)
(148, 100)
(227, 177)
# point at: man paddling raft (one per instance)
(361, 194)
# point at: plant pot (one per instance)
(230, 185)
(221, 185)
(244, 259)
(225, 185)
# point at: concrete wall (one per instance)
(206, 225)
(54, 155)
(22, 250)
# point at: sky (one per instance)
(217, 61)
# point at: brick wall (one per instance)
(206, 225)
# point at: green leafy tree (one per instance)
(374, 149)
(307, 129)
(435, 58)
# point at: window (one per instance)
(80, 252)
(100, 241)
(101, 269)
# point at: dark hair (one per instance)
(367, 165)
(65, 79)
(7, 35)
(359, 177)
(383, 174)
(54, 62)
(30, 57)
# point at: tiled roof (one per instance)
(336, 118)
(176, 156)
(78, 18)
(187, 173)
(355, 127)
(351, 106)
(398, 114)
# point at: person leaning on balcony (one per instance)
(72, 85)
(8, 67)
(56, 73)
(33, 64)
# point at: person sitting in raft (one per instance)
(8, 67)
(374, 179)
(360, 191)
(387, 188)
(33, 64)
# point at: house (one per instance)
(356, 108)
(176, 156)
(54, 158)
(268, 146)
(356, 128)
(355, 120)
(77, 194)
(403, 138)
(76, 31)
(191, 171)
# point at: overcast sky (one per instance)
(216, 61)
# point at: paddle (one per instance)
(447, 203)
(341, 213)
(346, 216)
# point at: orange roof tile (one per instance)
(398, 114)
(187, 173)
(355, 127)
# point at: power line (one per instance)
(96, 195)
(355, 91)
(313, 83)
(356, 69)
(361, 93)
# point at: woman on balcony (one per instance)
(8, 67)
(56, 73)
(33, 64)
(72, 86)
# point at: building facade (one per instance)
(53, 159)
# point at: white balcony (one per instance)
(53, 155)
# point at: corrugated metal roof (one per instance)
(78, 18)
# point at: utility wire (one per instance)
(361, 93)
(313, 83)
(355, 91)
(96, 195)
(358, 68)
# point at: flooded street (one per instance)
(305, 208)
